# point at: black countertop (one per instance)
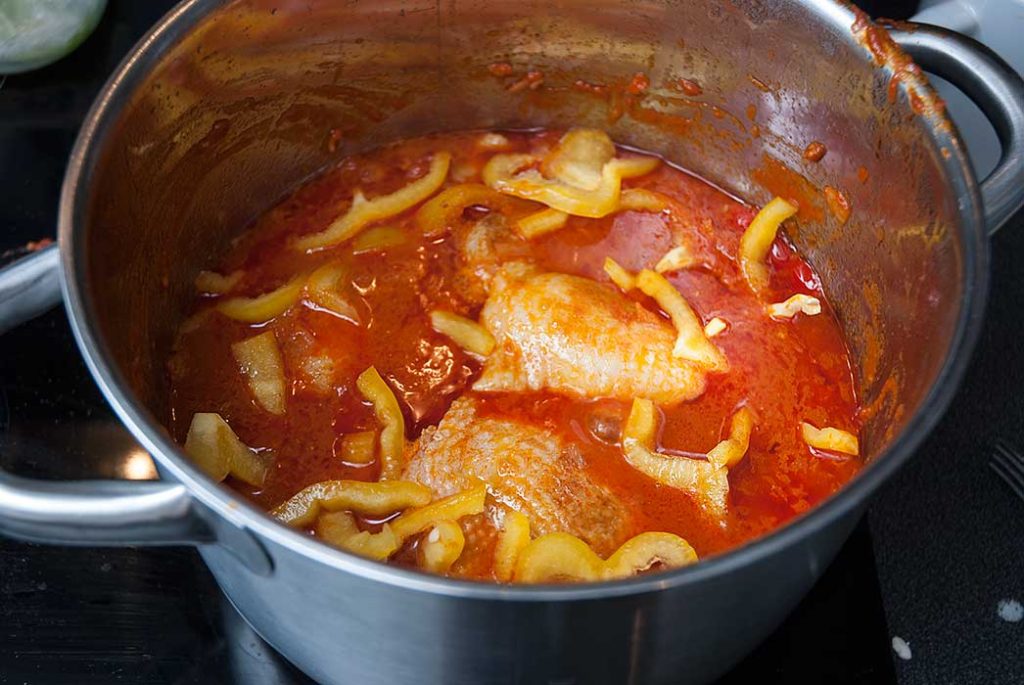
(941, 547)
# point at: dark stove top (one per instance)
(941, 547)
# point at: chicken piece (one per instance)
(484, 247)
(526, 467)
(577, 337)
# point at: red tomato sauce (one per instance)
(786, 371)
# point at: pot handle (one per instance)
(85, 512)
(995, 88)
(117, 513)
(99, 512)
(29, 287)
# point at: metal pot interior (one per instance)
(262, 94)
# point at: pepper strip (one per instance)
(691, 342)
(504, 174)
(466, 333)
(730, 451)
(374, 499)
(340, 529)
(389, 414)
(362, 212)
(439, 213)
(265, 307)
(451, 508)
(831, 439)
(560, 556)
(757, 241)
(218, 451)
(515, 535)
(441, 547)
(708, 483)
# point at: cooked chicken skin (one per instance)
(526, 467)
(483, 248)
(580, 338)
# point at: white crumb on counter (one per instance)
(1010, 610)
(901, 647)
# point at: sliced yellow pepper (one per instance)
(466, 333)
(831, 439)
(363, 212)
(619, 275)
(557, 557)
(265, 307)
(634, 167)
(323, 288)
(374, 499)
(757, 241)
(708, 483)
(515, 535)
(642, 200)
(579, 157)
(441, 547)
(336, 526)
(641, 552)
(378, 238)
(505, 173)
(540, 223)
(549, 220)
(259, 360)
(441, 212)
(561, 557)
(340, 530)
(451, 508)
(691, 342)
(389, 414)
(730, 451)
(215, 448)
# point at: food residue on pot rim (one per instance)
(759, 84)
(639, 84)
(815, 151)
(533, 80)
(500, 69)
(886, 53)
(689, 87)
(838, 205)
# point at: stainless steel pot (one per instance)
(224, 106)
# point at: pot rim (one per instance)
(144, 426)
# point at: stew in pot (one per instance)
(518, 357)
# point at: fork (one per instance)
(1008, 463)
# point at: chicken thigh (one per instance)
(526, 467)
(580, 338)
